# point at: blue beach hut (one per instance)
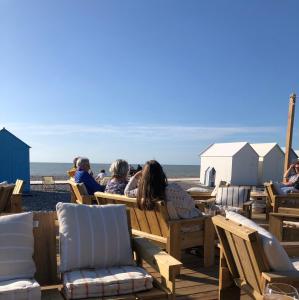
(14, 159)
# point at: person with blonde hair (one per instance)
(150, 185)
(119, 170)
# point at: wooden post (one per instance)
(289, 131)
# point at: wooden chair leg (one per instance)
(173, 246)
(209, 243)
(276, 226)
(227, 287)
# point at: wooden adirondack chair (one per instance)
(5, 198)
(275, 201)
(172, 235)
(243, 265)
(285, 224)
(79, 194)
(46, 257)
(16, 197)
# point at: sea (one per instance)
(58, 170)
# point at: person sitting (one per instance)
(292, 177)
(82, 175)
(101, 175)
(71, 172)
(150, 185)
(119, 170)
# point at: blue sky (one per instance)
(146, 79)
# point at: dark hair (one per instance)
(103, 171)
(75, 161)
(152, 185)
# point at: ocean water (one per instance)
(38, 169)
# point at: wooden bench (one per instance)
(243, 264)
(172, 235)
(46, 257)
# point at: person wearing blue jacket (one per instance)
(82, 175)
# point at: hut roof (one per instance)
(223, 149)
(5, 131)
(262, 149)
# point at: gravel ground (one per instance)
(38, 199)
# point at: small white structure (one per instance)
(236, 163)
(293, 157)
(271, 161)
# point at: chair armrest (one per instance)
(282, 277)
(286, 216)
(166, 265)
(288, 196)
(291, 248)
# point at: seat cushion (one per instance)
(105, 282)
(93, 236)
(276, 255)
(16, 247)
(20, 289)
(233, 196)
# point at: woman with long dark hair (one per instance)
(150, 185)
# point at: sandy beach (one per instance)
(39, 200)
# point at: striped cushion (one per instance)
(105, 282)
(16, 246)
(233, 196)
(93, 236)
(20, 289)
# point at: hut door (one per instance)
(210, 175)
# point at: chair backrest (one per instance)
(79, 191)
(19, 186)
(234, 196)
(270, 192)
(48, 180)
(243, 252)
(154, 222)
(5, 195)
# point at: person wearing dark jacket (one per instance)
(82, 175)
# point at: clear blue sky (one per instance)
(146, 79)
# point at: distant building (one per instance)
(271, 161)
(236, 163)
(14, 159)
(293, 156)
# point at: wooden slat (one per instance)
(251, 274)
(153, 223)
(45, 248)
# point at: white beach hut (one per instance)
(236, 163)
(271, 161)
(294, 156)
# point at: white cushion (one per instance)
(93, 236)
(105, 282)
(295, 262)
(276, 255)
(16, 247)
(20, 289)
(197, 189)
(234, 196)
